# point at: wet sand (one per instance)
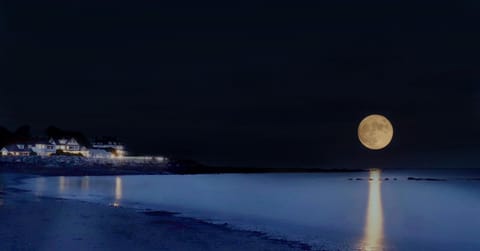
(29, 222)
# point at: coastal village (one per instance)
(103, 147)
(63, 148)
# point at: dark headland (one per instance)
(81, 166)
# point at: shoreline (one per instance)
(102, 171)
(192, 233)
(80, 166)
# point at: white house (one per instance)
(109, 143)
(69, 145)
(42, 147)
(16, 150)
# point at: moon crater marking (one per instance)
(375, 132)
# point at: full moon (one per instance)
(375, 132)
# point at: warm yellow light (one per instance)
(373, 233)
(85, 183)
(375, 132)
(118, 191)
(61, 184)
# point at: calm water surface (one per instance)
(328, 210)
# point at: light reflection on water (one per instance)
(118, 191)
(373, 233)
(61, 184)
(67, 185)
(64, 184)
(367, 214)
(85, 183)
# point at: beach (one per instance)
(368, 211)
(30, 222)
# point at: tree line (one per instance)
(23, 135)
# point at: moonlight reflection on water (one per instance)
(373, 233)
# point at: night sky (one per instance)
(250, 83)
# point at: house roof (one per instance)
(106, 141)
(67, 140)
(14, 148)
(56, 140)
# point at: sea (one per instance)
(390, 209)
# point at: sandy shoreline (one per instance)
(29, 222)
